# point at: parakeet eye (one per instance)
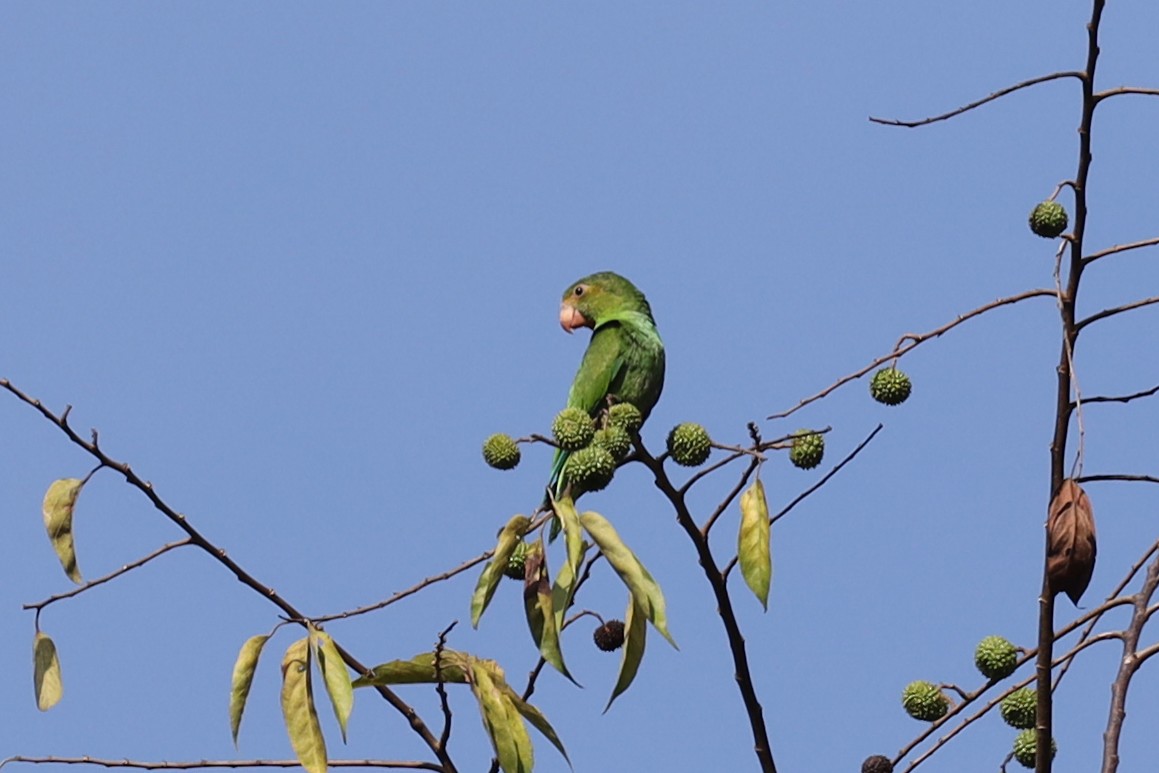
(579, 291)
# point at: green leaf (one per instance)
(243, 678)
(336, 678)
(493, 572)
(59, 501)
(418, 670)
(298, 708)
(563, 589)
(502, 721)
(46, 672)
(536, 718)
(537, 603)
(635, 637)
(754, 542)
(644, 589)
(573, 534)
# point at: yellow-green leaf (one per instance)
(493, 572)
(502, 721)
(563, 589)
(418, 670)
(336, 677)
(59, 501)
(243, 678)
(298, 708)
(536, 718)
(573, 534)
(46, 672)
(537, 604)
(635, 637)
(640, 583)
(754, 548)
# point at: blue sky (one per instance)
(296, 264)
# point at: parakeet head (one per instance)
(593, 300)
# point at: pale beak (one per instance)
(570, 318)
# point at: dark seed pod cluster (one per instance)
(609, 636)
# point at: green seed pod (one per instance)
(501, 452)
(615, 440)
(923, 700)
(807, 449)
(1025, 745)
(890, 386)
(573, 429)
(1048, 219)
(515, 568)
(1019, 707)
(689, 444)
(625, 416)
(590, 469)
(995, 657)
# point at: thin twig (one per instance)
(724, 504)
(1122, 398)
(402, 594)
(1120, 248)
(1121, 90)
(441, 687)
(825, 479)
(111, 576)
(1116, 310)
(910, 341)
(198, 764)
(1129, 478)
(966, 108)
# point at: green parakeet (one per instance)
(624, 360)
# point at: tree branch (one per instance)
(1119, 248)
(199, 764)
(111, 576)
(966, 108)
(1116, 310)
(910, 341)
(220, 556)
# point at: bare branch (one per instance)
(1121, 90)
(1119, 248)
(219, 555)
(1123, 398)
(1116, 310)
(740, 484)
(441, 687)
(1128, 665)
(825, 479)
(966, 108)
(111, 576)
(402, 594)
(1130, 478)
(910, 341)
(200, 764)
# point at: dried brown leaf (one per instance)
(1070, 531)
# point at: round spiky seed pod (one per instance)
(573, 428)
(807, 450)
(923, 700)
(890, 386)
(995, 657)
(515, 568)
(590, 469)
(1018, 708)
(1048, 219)
(615, 439)
(1025, 745)
(878, 763)
(689, 444)
(626, 416)
(500, 451)
(609, 636)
